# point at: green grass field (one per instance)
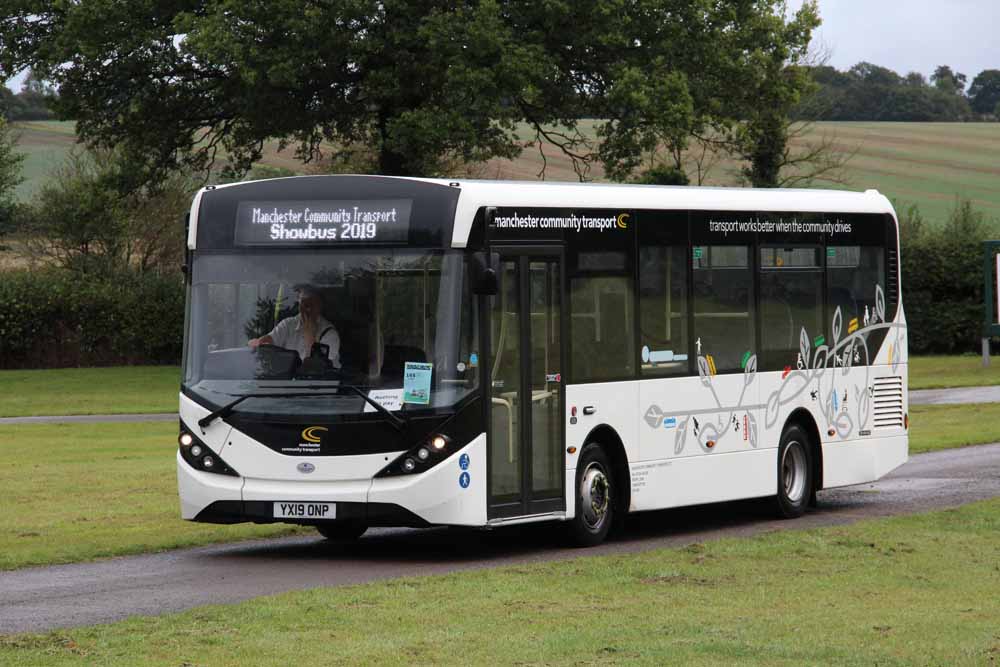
(74, 492)
(929, 164)
(84, 391)
(110, 489)
(914, 590)
(952, 371)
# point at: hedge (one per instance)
(51, 319)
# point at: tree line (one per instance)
(33, 102)
(868, 92)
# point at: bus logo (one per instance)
(310, 434)
(305, 467)
(622, 217)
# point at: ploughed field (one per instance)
(928, 164)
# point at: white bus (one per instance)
(484, 353)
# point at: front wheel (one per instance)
(795, 484)
(595, 497)
(342, 532)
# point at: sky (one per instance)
(910, 35)
(903, 35)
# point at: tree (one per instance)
(984, 93)
(90, 218)
(421, 83)
(10, 178)
(947, 81)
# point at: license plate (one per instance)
(297, 510)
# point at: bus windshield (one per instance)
(396, 323)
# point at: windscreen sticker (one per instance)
(390, 399)
(417, 382)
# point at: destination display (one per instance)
(323, 222)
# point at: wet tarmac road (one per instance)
(39, 599)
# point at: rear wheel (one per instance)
(342, 532)
(795, 484)
(595, 497)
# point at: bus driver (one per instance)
(301, 331)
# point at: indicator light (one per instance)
(196, 451)
(409, 465)
(208, 462)
(423, 453)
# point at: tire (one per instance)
(795, 483)
(595, 497)
(342, 532)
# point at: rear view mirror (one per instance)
(484, 276)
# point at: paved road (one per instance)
(41, 599)
(957, 395)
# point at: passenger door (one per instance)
(526, 332)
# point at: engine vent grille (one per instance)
(888, 402)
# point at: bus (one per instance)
(384, 351)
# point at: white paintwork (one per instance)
(660, 476)
(693, 480)
(436, 495)
(198, 489)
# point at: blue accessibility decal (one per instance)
(464, 480)
(463, 461)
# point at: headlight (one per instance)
(200, 457)
(427, 454)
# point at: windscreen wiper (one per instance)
(227, 409)
(399, 423)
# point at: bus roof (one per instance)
(478, 193)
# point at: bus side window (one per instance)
(853, 272)
(791, 299)
(723, 305)
(601, 318)
(663, 320)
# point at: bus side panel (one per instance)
(451, 493)
(859, 461)
(615, 405)
(694, 480)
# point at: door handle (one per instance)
(589, 410)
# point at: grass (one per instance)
(74, 492)
(952, 371)
(83, 391)
(915, 590)
(934, 427)
(929, 164)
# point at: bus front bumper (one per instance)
(446, 494)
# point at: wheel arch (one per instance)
(608, 438)
(804, 419)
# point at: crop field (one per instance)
(928, 164)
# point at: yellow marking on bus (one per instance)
(852, 326)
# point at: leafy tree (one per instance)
(417, 84)
(10, 178)
(91, 219)
(947, 81)
(984, 93)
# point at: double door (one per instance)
(527, 329)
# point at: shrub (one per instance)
(942, 279)
(56, 318)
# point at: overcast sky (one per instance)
(903, 35)
(910, 35)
